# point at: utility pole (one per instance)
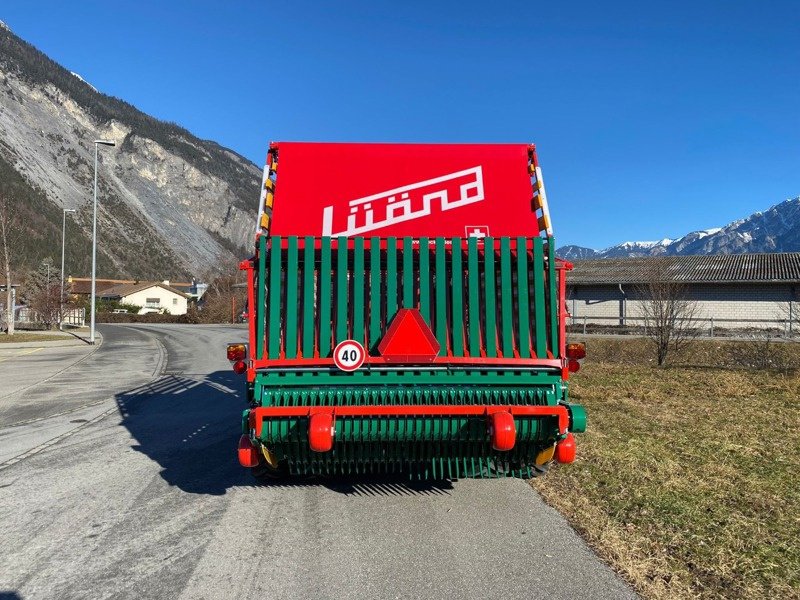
(63, 245)
(94, 238)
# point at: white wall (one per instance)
(174, 303)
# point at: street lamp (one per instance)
(97, 143)
(63, 241)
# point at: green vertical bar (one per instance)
(473, 278)
(341, 289)
(538, 298)
(275, 298)
(408, 272)
(424, 280)
(505, 297)
(260, 310)
(325, 298)
(554, 308)
(457, 310)
(523, 303)
(391, 278)
(489, 298)
(291, 298)
(441, 294)
(308, 297)
(358, 289)
(375, 294)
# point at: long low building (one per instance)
(731, 291)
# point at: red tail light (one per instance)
(576, 351)
(239, 367)
(237, 352)
(573, 365)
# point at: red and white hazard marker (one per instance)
(349, 355)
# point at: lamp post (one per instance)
(63, 243)
(97, 143)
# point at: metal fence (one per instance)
(75, 317)
(708, 326)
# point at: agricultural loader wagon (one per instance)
(406, 315)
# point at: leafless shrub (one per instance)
(670, 316)
(762, 352)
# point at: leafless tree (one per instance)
(9, 242)
(669, 314)
(225, 294)
(788, 313)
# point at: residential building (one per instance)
(151, 297)
(735, 291)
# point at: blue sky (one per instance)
(651, 119)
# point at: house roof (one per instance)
(126, 289)
(728, 268)
(83, 285)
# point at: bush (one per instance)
(188, 318)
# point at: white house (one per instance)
(152, 297)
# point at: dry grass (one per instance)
(20, 337)
(688, 479)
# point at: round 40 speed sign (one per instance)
(349, 355)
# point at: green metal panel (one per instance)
(506, 297)
(358, 288)
(489, 298)
(260, 310)
(473, 279)
(308, 297)
(391, 278)
(441, 293)
(408, 272)
(324, 318)
(554, 308)
(523, 306)
(341, 289)
(424, 279)
(538, 298)
(275, 297)
(375, 294)
(290, 335)
(457, 307)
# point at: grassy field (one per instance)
(20, 337)
(688, 479)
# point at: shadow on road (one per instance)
(190, 426)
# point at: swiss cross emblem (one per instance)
(476, 231)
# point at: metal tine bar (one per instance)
(274, 323)
(408, 272)
(441, 293)
(506, 297)
(523, 318)
(261, 308)
(391, 279)
(374, 291)
(474, 280)
(490, 337)
(341, 289)
(358, 290)
(325, 298)
(457, 291)
(424, 279)
(538, 298)
(291, 333)
(553, 288)
(309, 297)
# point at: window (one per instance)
(174, 302)
(152, 303)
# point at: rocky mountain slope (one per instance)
(171, 205)
(774, 230)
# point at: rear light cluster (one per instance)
(237, 354)
(575, 354)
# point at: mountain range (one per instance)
(170, 204)
(775, 230)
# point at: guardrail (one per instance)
(710, 326)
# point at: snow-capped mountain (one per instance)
(774, 230)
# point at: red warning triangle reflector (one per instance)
(409, 339)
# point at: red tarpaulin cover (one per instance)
(327, 189)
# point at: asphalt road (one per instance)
(119, 479)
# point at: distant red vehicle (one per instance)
(431, 269)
